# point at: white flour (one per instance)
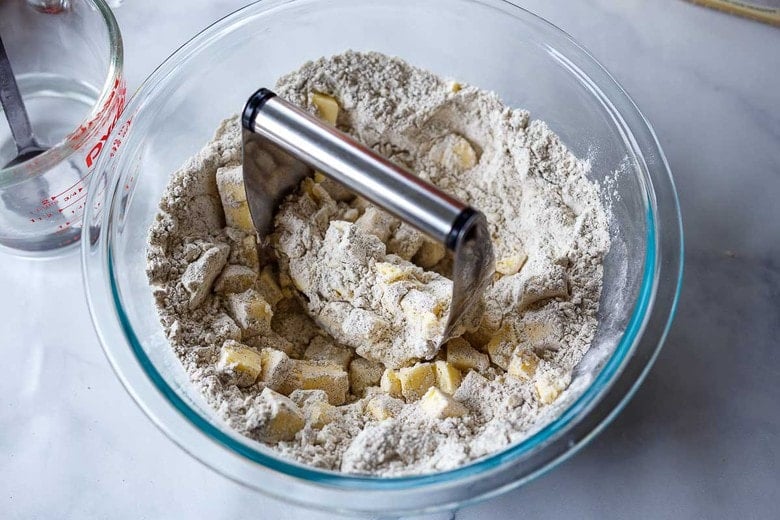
(376, 288)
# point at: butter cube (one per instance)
(319, 414)
(429, 254)
(381, 407)
(376, 222)
(463, 356)
(425, 313)
(350, 215)
(240, 361)
(440, 405)
(390, 383)
(250, 311)
(230, 184)
(390, 273)
(464, 153)
(327, 107)
(549, 386)
(268, 287)
(243, 248)
(199, 276)
(320, 349)
(235, 279)
(276, 369)
(281, 422)
(405, 242)
(511, 264)
(363, 374)
(315, 190)
(317, 375)
(523, 364)
(416, 380)
(454, 152)
(502, 345)
(447, 377)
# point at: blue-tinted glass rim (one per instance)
(341, 481)
(539, 438)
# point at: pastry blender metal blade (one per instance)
(300, 143)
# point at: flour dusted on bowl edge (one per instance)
(322, 341)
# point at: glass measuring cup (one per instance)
(67, 61)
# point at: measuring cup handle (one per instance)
(338, 156)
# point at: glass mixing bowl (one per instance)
(489, 43)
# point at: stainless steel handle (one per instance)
(298, 142)
(363, 171)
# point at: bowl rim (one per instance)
(101, 288)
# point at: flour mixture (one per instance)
(320, 342)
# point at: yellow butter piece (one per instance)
(383, 407)
(511, 264)
(250, 251)
(243, 248)
(429, 254)
(549, 387)
(501, 346)
(523, 364)
(430, 325)
(242, 361)
(405, 241)
(316, 375)
(364, 373)
(230, 184)
(448, 377)
(463, 356)
(390, 273)
(268, 287)
(276, 367)
(424, 313)
(351, 215)
(416, 380)
(319, 414)
(320, 349)
(440, 405)
(455, 86)
(314, 190)
(235, 279)
(454, 152)
(250, 311)
(284, 421)
(327, 107)
(390, 383)
(465, 154)
(376, 222)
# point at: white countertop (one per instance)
(701, 439)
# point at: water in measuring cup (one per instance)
(56, 107)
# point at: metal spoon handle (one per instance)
(365, 172)
(13, 106)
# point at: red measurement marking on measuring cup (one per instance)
(120, 91)
(70, 202)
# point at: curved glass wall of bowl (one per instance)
(67, 62)
(488, 43)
